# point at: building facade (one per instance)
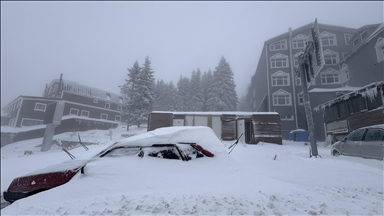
(275, 87)
(85, 108)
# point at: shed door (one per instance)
(201, 121)
(188, 120)
(178, 122)
(216, 125)
(241, 130)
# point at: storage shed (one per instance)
(299, 135)
(255, 126)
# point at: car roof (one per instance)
(201, 135)
(381, 126)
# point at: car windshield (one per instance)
(189, 151)
(122, 151)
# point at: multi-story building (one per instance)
(85, 108)
(274, 86)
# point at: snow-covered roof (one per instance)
(345, 88)
(369, 91)
(79, 88)
(238, 113)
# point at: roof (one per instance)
(309, 26)
(377, 31)
(345, 88)
(369, 90)
(238, 113)
(82, 89)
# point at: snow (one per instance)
(263, 179)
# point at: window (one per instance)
(375, 102)
(40, 107)
(343, 109)
(84, 113)
(280, 78)
(108, 96)
(331, 57)
(344, 72)
(300, 98)
(118, 118)
(347, 38)
(374, 134)
(298, 81)
(330, 76)
(279, 61)
(107, 105)
(104, 116)
(55, 88)
(95, 101)
(120, 100)
(119, 107)
(279, 45)
(50, 90)
(282, 98)
(357, 104)
(356, 135)
(299, 41)
(363, 35)
(328, 39)
(31, 122)
(379, 47)
(73, 111)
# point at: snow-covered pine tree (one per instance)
(148, 86)
(165, 96)
(197, 97)
(137, 91)
(222, 95)
(206, 80)
(183, 94)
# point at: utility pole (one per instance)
(311, 60)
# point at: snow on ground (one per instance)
(263, 179)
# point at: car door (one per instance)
(372, 145)
(351, 146)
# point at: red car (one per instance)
(60, 174)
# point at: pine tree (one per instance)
(183, 94)
(222, 95)
(138, 92)
(165, 96)
(206, 81)
(197, 97)
(148, 85)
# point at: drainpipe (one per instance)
(58, 93)
(267, 60)
(293, 74)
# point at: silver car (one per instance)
(366, 142)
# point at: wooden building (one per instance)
(255, 126)
(359, 108)
(85, 108)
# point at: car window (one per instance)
(374, 134)
(169, 152)
(122, 151)
(356, 135)
(189, 151)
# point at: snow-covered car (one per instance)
(175, 143)
(366, 142)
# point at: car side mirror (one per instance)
(341, 138)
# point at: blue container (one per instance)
(299, 135)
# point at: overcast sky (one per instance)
(95, 42)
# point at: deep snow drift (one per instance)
(263, 179)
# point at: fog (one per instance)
(95, 42)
